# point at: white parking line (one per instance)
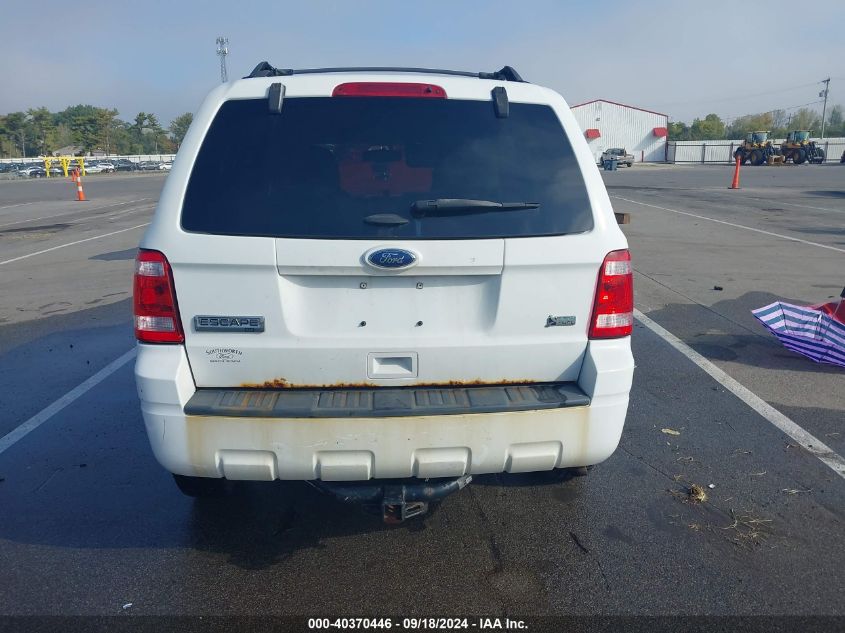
(723, 191)
(792, 204)
(8, 440)
(59, 215)
(738, 226)
(87, 239)
(120, 214)
(807, 441)
(12, 206)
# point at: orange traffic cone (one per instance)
(80, 195)
(735, 182)
(73, 175)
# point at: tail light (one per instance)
(385, 89)
(156, 313)
(613, 310)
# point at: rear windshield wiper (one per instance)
(465, 206)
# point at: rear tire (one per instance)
(819, 157)
(200, 487)
(757, 157)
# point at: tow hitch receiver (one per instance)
(395, 499)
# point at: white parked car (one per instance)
(165, 166)
(99, 168)
(406, 275)
(32, 169)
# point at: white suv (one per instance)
(407, 274)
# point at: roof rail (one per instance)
(264, 69)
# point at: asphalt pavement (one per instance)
(89, 523)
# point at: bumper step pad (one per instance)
(384, 401)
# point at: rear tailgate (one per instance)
(479, 315)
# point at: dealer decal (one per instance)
(224, 355)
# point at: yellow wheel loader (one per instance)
(756, 148)
(798, 147)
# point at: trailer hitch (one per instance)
(395, 499)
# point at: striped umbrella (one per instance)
(817, 332)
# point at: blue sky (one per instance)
(682, 58)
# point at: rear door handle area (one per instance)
(392, 365)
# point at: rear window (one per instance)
(335, 167)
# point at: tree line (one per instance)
(39, 132)
(778, 122)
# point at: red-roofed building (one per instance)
(608, 124)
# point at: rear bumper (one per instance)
(361, 448)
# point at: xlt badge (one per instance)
(207, 323)
(553, 321)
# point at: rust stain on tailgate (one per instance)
(282, 383)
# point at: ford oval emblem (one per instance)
(391, 258)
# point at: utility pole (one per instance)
(222, 51)
(823, 93)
